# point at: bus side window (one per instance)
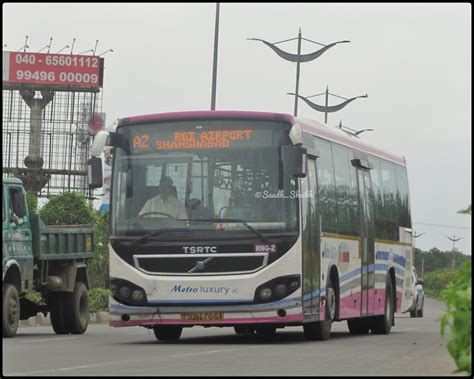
(327, 195)
(390, 212)
(378, 197)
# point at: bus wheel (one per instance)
(358, 326)
(56, 309)
(321, 330)
(383, 324)
(167, 333)
(266, 330)
(244, 329)
(77, 309)
(10, 310)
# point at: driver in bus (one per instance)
(165, 202)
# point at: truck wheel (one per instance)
(10, 310)
(76, 310)
(56, 307)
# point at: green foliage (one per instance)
(98, 267)
(436, 259)
(69, 208)
(98, 299)
(35, 297)
(32, 202)
(458, 297)
(437, 281)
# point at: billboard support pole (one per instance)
(35, 180)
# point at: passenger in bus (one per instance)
(165, 202)
(197, 211)
(237, 208)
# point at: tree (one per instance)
(68, 208)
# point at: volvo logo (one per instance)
(200, 265)
(199, 249)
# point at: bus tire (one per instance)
(321, 330)
(266, 330)
(168, 332)
(383, 324)
(76, 312)
(10, 310)
(358, 326)
(56, 309)
(244, 329)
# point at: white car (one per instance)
(416, 309)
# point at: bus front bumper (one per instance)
(283, 312)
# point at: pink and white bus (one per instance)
(287, 222)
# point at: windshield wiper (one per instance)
(155, 233)
(243, 222)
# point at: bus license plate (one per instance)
(202, 316)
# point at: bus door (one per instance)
(366, 228)
(310, 241)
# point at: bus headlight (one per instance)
(280, 290)
(277, 288)
(265, 293)
(126, 292)
(138, 295)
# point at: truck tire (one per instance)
(76, 312)
(56, 308)
(10, 310)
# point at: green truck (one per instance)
(50, 260)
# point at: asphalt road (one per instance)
(413, 348)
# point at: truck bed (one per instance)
(61, 241)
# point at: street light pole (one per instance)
(214, 68)
(453, 239)
(298, 73)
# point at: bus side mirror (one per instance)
(294, 160)
(94, 172)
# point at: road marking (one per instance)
(404, 330)
(49, 340)
(118, 362)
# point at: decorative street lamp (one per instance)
(327, 108)
(298, 58)
(453, 239)
(351, 131)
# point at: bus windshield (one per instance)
(211, 176)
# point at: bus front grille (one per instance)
(202, 264)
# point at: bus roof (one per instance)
(208, 115)
(337, 135)
(311, 126)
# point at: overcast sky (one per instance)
(413, 60)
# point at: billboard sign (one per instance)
(24, 69)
